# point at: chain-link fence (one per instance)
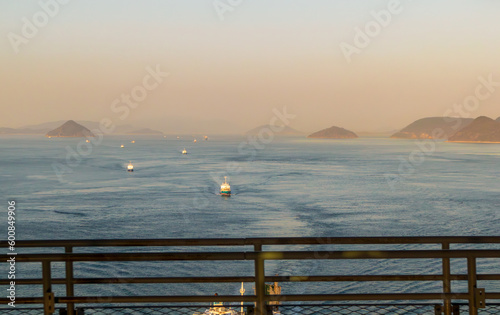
(358, 309)
(493, 309)
(325, 309)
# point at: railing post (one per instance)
(70, 307)
(48, 295)
(472, 279)
(446, 279)
(260, 285)
(438, 309)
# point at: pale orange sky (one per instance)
(231, 73)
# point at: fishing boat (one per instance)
(184, 151)
(206, 138)
(130, 167)
(133, 141)
(225, 188)
(194, 140)
(122, 146)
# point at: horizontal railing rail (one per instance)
(260, 241)
(338, 278)
(476, 297)
(271, 255)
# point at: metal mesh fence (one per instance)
(324, 309)
(146, 311)
(21, 311)
(490, 309)
(358, 309)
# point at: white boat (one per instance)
(218, 308)
(130, 167)
(225, 188)
(122, 146)
(228, 311)
(184, 151)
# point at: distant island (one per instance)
(432, 128)
(286, 131)
(70, 129)
(482, 130)
(333, 133)
(445, 128)
(21, 131)
(145, 131)
(44, 128)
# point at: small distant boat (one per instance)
(133, 141)
(184, 151)
(194, 140)
(225, 188)
(206, 138)
(87, 140)
(130, 167)
(122, 146)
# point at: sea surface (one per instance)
(282, 187)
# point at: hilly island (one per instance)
(482, 130)
(70, 129)
(432, 128)
(333, 133)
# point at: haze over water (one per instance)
(293, 187)
(228, 70)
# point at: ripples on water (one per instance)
(294, 187)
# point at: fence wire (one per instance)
(324, 309)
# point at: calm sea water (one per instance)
(289, 187)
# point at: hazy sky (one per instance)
(231, 72)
